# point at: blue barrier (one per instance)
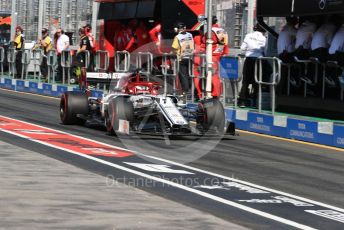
(229, 67)
(320, 132)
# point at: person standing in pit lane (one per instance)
(254, 47)
(18, 44)
(62, 44)
(85, 45)
(94, 48)
(219, 48)
(45, 44)
(183, 46)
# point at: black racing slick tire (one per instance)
(211, 116)
(71, 105)
(120, 108)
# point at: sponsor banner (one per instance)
(262, 123)
(61, 90)
(33, 87)
(230, 115)
(325, 133)
(2, 81)
(20, 85)
(8, 84)
(98, 94)
(241, 117)
(229, 68)
(302, 130)
(338, 136)
(47, 89)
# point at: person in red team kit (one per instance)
(139, 38)
(220, 48)
(121, 38)
(197, 62)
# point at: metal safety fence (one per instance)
(2, 59)
(66, 64)
(272, 81)
(122, 61)
(11, 60)
(25, 61)
(102, 61)
(231, 70)
(51, 63)
(169, 69)
(144, 64)
(37, 59)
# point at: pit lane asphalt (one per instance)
(308, 171)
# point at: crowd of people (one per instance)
(320, 39)
(185, 45)
(135, 34)
(60, 43)
(130, 36)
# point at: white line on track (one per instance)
(240, 131)
(176, 185)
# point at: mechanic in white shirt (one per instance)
(62, 41)
(304, 37)
(336, 51)
(322, 40)
(62, 44)
(253, 46)
(286, 40)
(286, 48)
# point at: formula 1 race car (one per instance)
(134, 105)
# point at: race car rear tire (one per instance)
(211, 116)
(120, 108)
(72, 104)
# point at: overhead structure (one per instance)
(267, 8)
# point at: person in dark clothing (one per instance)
(254, 46)
(85, 45)
(45, 44)
(19, 47)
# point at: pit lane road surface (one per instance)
(292, 185)
(38, 192)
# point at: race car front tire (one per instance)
(120, 108)
(73, 104)
(211, 116)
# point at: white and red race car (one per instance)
(136, 105)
